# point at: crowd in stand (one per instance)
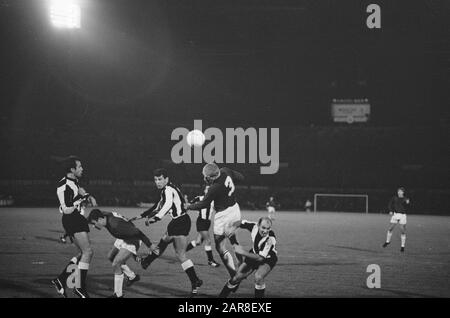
(335, 158)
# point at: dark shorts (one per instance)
(202, 224)
(271, 261)
(74, 223)
(180, 226)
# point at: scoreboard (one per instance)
(350, 110)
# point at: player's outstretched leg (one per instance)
(204, 237)
(120, 259)
(131, 277)
(389, 235)
(224, 254)
(187, 264)
(233, 283)
(403, 237)
(81, 239)
(234, 242)
(209, 255)
(260, 286)
(162, 245)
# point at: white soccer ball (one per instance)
(195, 138)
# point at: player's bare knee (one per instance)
(181, 257)
(116, 263)
(259, 278)
(88, 252)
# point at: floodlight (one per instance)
(65, 14)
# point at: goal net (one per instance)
(333, 202)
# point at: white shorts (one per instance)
(399, 218)
(119, 244)
(271, 209)
(225, 217)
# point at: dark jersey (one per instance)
(171, 201)
(398, 205)
(121, 228)
(222, 191)
(271, 203)
(262, 245)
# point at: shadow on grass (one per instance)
(50, 239)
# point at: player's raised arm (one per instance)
(241, 251)
(206, 202)
(247, 225)
(151, 212)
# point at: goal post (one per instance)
(341, 202)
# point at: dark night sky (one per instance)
(230, 61)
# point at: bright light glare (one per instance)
(65, 14)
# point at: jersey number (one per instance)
(229, 184)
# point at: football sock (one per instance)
(188, 267)
(83, 267)
(118, 284)
(209, 253)
(259, 290)
(226, 290)
(388, 237)
(403, 239)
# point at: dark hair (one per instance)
(160, 172)
(69, 163)
(95, 215)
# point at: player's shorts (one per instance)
(225, 217)
(131, 245)
(181, 226)
(399, 218)
(74, 223)
(271, 261)
(202, 224)
(271, 209)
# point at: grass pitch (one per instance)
(320, 255)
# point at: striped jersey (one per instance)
(67, 192)
(171, 201)
(262, 245)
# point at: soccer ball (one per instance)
(195, 138)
